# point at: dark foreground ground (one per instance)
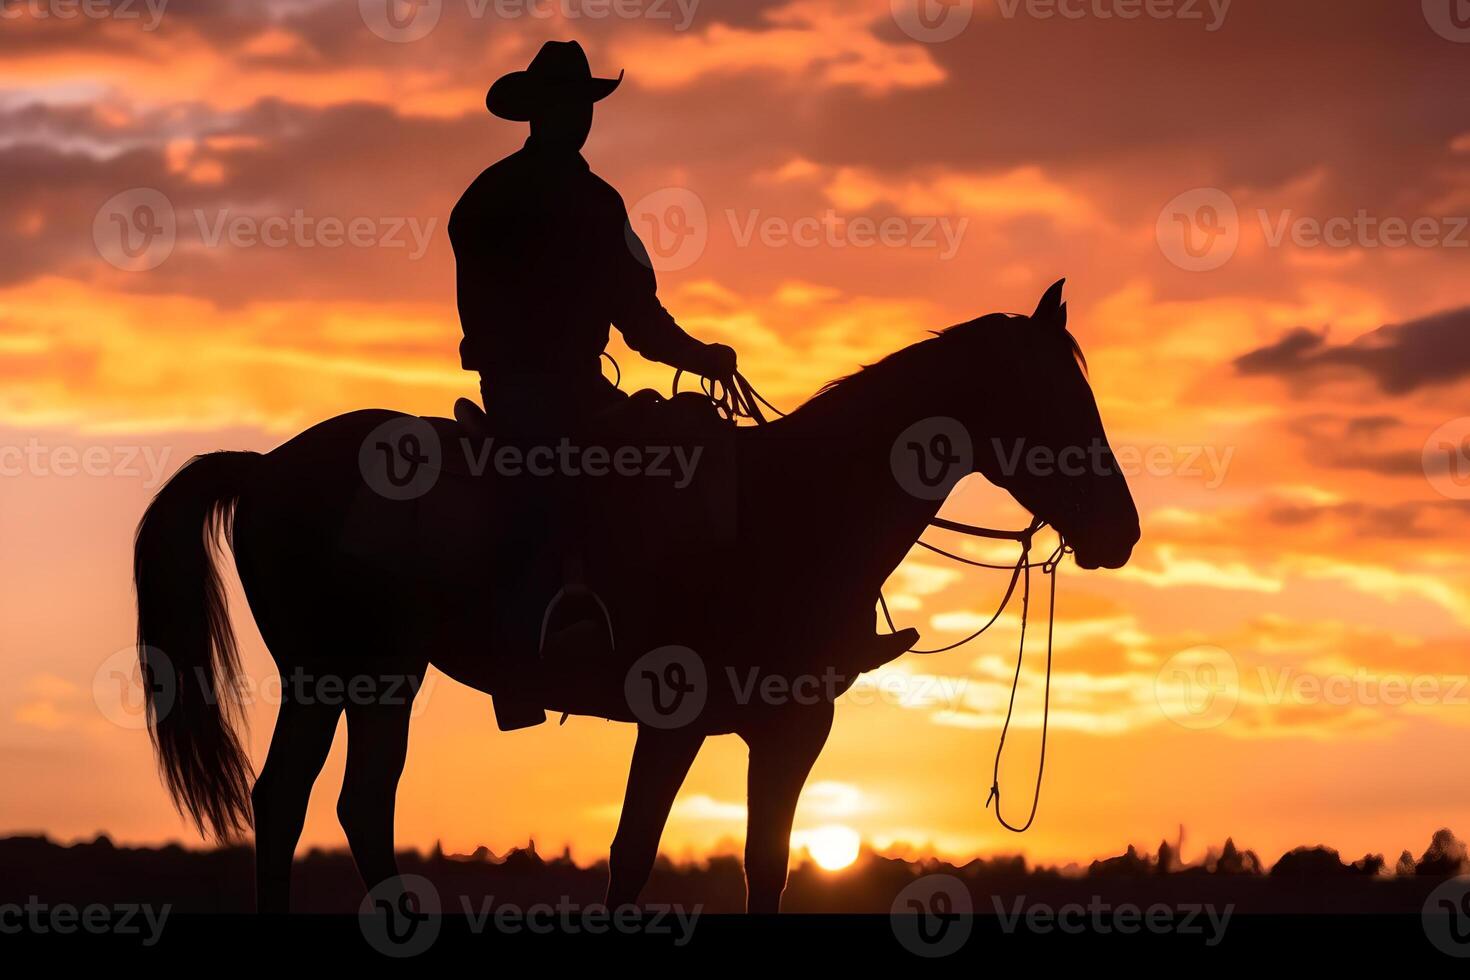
(1308, 907)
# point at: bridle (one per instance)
(737, 398)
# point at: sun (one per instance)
(833, 847)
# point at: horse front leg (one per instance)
(782, 753)
(661, 760)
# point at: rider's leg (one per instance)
(571, 622)
(551, 520)
(515, 618)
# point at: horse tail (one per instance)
(186, 647)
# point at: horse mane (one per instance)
(925, 355)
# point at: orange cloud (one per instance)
(825, 43)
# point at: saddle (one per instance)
(687, 415)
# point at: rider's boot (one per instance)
(513, 644)
(575, 635)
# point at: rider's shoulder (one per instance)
(507, 168)
(484, 183)
(493, 184)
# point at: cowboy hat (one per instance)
(557, 75)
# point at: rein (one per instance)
(734, 399)
(737, 398)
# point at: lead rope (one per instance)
(1049, 567)
(1020, 571)
(737, 398)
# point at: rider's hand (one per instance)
(719, 362)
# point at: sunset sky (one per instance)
(1260, 207)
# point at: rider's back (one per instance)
(542, 257)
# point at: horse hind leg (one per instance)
(299, 745)
(377, 746)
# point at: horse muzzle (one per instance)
(1105, 550)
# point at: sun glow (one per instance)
(833, 847)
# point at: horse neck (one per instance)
(839, 477)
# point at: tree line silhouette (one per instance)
(1308, 878)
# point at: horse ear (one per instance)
(1051, 308)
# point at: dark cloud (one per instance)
(1368, 520)
(346, 162)
(1276, 91)
(1315, 87)
(1379, 444)
(1370, 425)
(1400, 358)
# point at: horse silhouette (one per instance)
(350, 582)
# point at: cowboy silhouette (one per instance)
(546, 258)
(545, 261)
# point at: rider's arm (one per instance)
(637, 313)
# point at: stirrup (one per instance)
(578, 591)
(575, 591)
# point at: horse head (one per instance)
(1050, 451)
